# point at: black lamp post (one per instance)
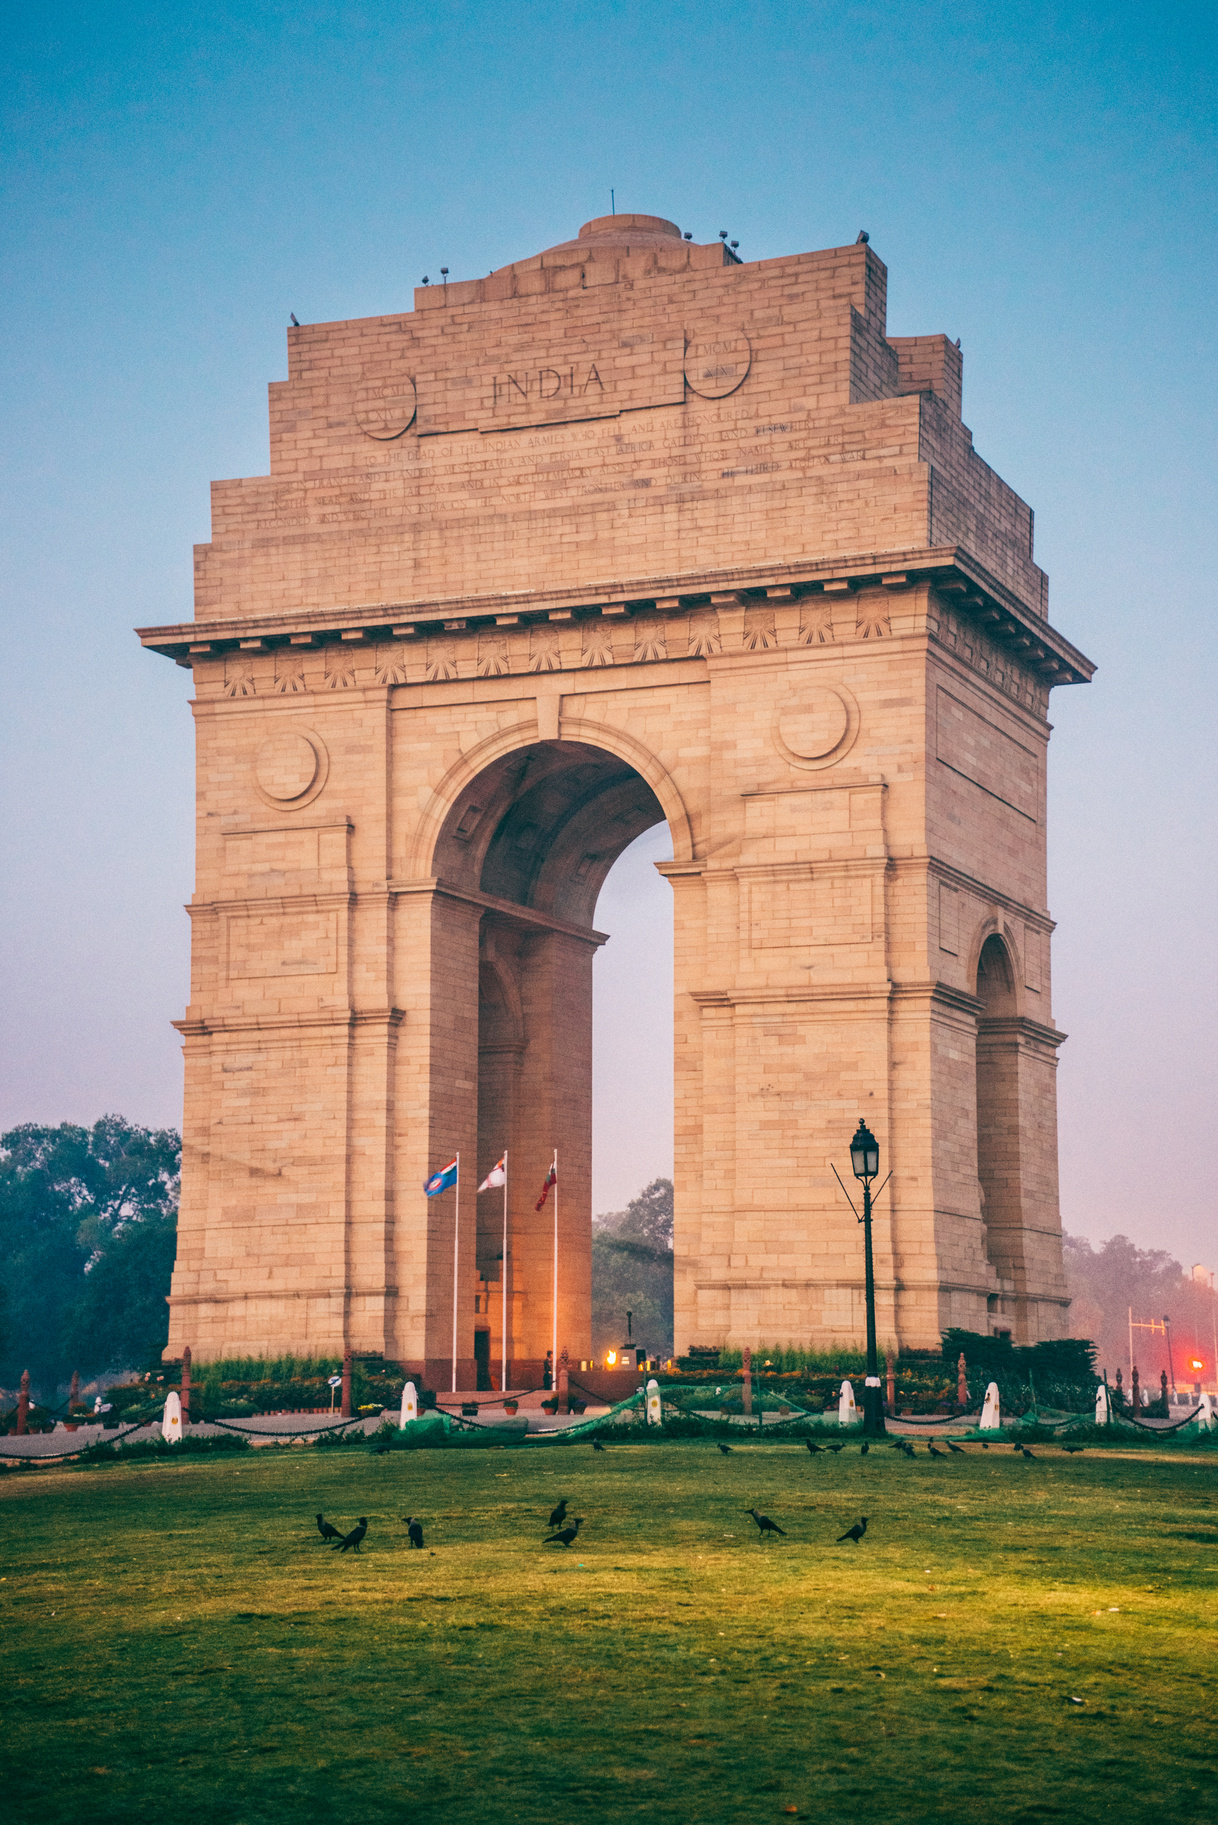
(865, 1159)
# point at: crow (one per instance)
(414, 1529)
(1030, 1455)
(1074, 1450)
(725, 1449)
(1016, 1447)
(930, 1446)
(355, 1536)
(566, 1534)
(908, 1450)
(558, 1515)
(326, 1531)
(984, 1445)
(837, 1447)
(958, 1449)
(596, 1445)
(864, 1448)
(764, 1524)
(292, 315)
(814, 1449)
(854, 1533)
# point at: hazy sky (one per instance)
(1040, 180)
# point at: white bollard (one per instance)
(410, 1403)
(1102, 1414)
(171, 1423)
(1206, 1415)
(847, 1412)
(655, 1416)
(991, 1412)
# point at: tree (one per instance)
(75, 1202)
(1105, 1282)
(632, 1271)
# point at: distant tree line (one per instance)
(88, 1230)
(1105, 1282)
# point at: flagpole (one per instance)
(503, 1273)
(554, 1338)
(456, 1264)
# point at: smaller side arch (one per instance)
(996, 927)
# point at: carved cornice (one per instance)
(722, 609)
(205, 1026)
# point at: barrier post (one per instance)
(346, 1413)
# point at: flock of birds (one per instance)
(563, 1532)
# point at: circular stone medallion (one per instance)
(716, 365)
(817, 727)
(385, 411)
(289, 767)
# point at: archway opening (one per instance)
(526, 850)
(998, 1161)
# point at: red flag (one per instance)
(551, 1179)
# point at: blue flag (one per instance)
(440, 1181)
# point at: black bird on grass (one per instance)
(726, 1450)
(932, 1448)
(1030, 1455)
(414, 1530)
(764, 1524)
(565, 1535)
(326, 1531)
(908, 1450)
(854, 1533)
(1074, 1450)
(984, 1445)
(958, 1449)
(558, 1515)
(355, 1536)
(837, 1447)
(814, 1449)
(596, 1445)
(864, 1448)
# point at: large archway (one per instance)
(531, 838)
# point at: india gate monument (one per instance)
(629, 532)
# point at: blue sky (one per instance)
(1039, 180)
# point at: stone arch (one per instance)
(510, 855)
(994, 927)
(450, 793)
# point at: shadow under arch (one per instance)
(451, 807)
(1010, 969)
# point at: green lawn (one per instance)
(179, 1646)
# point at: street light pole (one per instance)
(873, 1417)
(865, 1161)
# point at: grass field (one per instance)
(179, 1646)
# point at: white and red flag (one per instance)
(496, 1176)
(550, 1179)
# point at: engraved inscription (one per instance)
(716, 365)
(544, 384)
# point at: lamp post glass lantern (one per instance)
(865, 1160)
